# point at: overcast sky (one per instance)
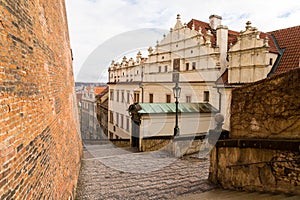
(93, 23)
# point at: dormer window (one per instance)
(271, 61)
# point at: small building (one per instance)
(153, 123)
(90, 128)
(102, 111)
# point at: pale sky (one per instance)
(92, 23)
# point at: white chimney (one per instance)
(215, 21)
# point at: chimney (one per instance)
(215, 21)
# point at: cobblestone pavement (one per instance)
(114, 173)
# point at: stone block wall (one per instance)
(40, 145)
(267, 109)
(262, 152)
(255, 169)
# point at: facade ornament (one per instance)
(248, 25)
(150, 50)
(208, 37)
(266, 42)
(193, 26)
(178, 24)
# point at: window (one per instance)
(128, 97)
(111, 117)
(122, 121)
(168, 98)
(162, 57)
(111, 135)
(122, 96)
(188, 99)
(127, 123)
(166, 68)
(271, 61)
(137, 72)
(117, 119)
(187, 65)
(159, 69)
(192, 51)
(194, 65)
(111, 95)
(118, 96)
(150, 98)
(136, 97)
(176, 65)
(206, 96)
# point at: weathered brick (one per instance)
(39, 145)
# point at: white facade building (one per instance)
(210, 59)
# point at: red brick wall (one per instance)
(40, 146)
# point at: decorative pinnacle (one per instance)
(178, 17)
(248, 25)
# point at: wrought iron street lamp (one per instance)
(176, 92)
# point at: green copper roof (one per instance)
(151, 108)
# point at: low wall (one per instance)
(155, 143)
(253, 169)
(179, 146)
(121, 142)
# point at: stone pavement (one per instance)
(114, 173)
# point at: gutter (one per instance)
(278, 59)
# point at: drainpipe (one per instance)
(220, 99)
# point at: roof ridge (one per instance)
(292, 27)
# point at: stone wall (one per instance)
(40, 146)
(255, 169)
(267, 109)
(262, 153)
(120, 142)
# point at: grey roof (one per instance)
(151, 108)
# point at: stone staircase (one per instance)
(219, 194)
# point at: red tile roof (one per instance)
(99, 89)
(232, 35)
(223, 79)
(289, 40)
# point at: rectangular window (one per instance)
(122, 121)
(111, 95)
(122, 96)
(188, 99)
(194, 65)
(206, 96)
(166, 68)
(187, 66)
(136, 97)
(111, 117)
(150, 98)
(128, 97)
(117, 119)
(271, 61)
(127, 124)
(168, 98)
(118, 96)
(176, 65)
(159, 69)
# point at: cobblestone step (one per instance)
(219, 194)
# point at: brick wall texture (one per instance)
(40, 144)
(267, 109)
